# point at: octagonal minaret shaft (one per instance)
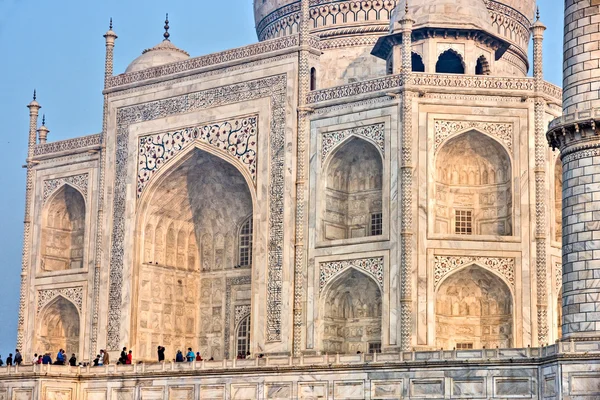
(578, 139)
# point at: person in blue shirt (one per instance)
(60, 357)
(46, 359)
(179, 356)
(190, 355)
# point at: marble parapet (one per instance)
(79, 144)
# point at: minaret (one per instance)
(34, 109)
(43, 131)
(110, 37)
(577, 137)
(537, 30)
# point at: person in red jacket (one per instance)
(129, 358)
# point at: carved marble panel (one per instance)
(79, 181)
(375, 132)
(373, 266)
(443, 265)
(445, 128)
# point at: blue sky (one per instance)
(57, 47)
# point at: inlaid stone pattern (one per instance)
(580, 233)
(444, 265)
(67, 145)
(446, 128)
(375, 132)
(78, 181)
(241, 312)
(74, 294)
(237, 138)
(328, 270)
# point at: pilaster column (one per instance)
(537, 29)
(577, 136)
(34, 109)
(301, 177)
(407, 244)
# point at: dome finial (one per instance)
(166, 34)
(406, 7)
(34, 95)
(44, 119)
(110, 24)
(537, 13)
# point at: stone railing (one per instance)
(328, 361)
(84, 142)
(227, 56)
(522, 86)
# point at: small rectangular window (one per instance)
(376, 224)
(464, 346)
(375, 347)
(463, 224)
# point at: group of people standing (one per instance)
(61, 359)
(179, 357)
(104, 359)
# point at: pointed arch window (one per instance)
(245, 243)
(450, 62)
(417, 63)
(243, 337)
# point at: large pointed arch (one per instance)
(199, 199)
(59, 327)
(474, 309)
(353, 190)
(473, 186)
(63, 230)
(351, 313)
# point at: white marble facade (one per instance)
(341, 203)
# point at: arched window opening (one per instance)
(482, 67)
(352, 314)
(473, 310)
(450, 62)
(63, 231)
(558, 180)
(181, 295)
(59, 327)
(245, 243)
(313, 78)
(473, 187)
(353, 206)
(417, 63)
(243, 337)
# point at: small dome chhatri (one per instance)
(163, 53)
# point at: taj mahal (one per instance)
(377, 200)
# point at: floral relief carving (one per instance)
(236, 137)
(240, 313)
(558, 276)
(445, 128)
(74, 294)
(78, 181)
(444, 265)
(328, 270)
(375, 132)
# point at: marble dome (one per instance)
(465, 14)
(163, 53)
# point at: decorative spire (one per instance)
(44, 119)
(110, 24)
(537, 13)
(406, 7)
(43, 131)
(166, 34)
(34, 95)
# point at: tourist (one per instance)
(60, 358)
(190, 355)
(73, 360)
(247, 354)
(161, 354)
(1, 362)
(198, 356)
(34, 360)
(129, 358)
(105, 357)
(18, 357)
(179, 356)
(39, 359)
(9, 360)
(97, 362)
(211, 359)
(47, 359)
(123, 358)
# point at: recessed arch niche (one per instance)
(473, 309)
(450, 62)
(353, 191)
(63, 230)
(351, 306)
(473, 191)
(190, 216)
(59, 327)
